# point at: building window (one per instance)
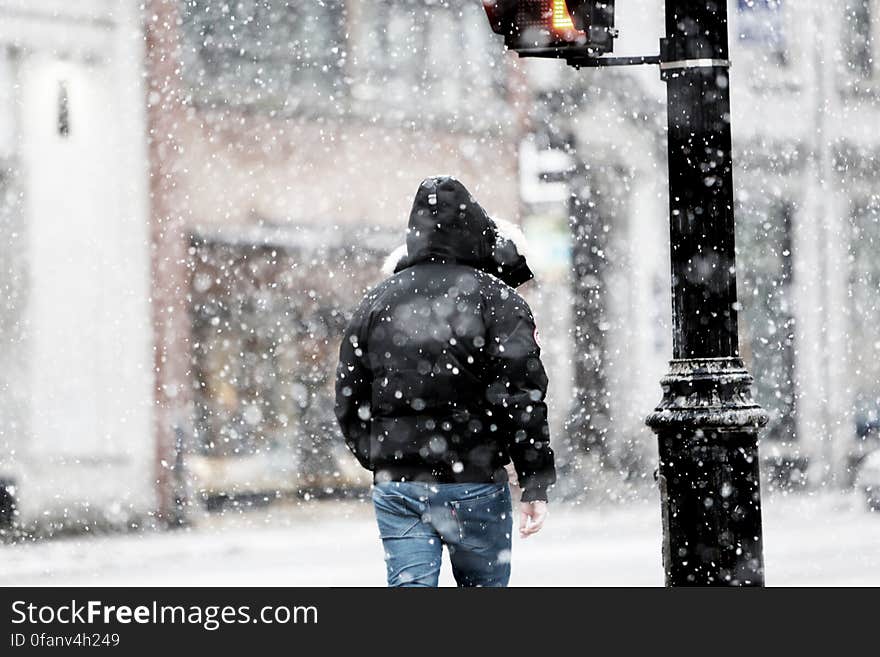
(435, 60)
(864, 308)
(273, 54)
(760, 26)
(764, 251)
(63, 110)
(859, 40)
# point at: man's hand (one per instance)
(512, 477)
(531, 517)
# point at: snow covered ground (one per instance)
(824, 539)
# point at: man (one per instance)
(439, 386)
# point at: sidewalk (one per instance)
(826, 539)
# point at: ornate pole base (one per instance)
(707, 426)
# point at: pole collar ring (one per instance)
(694, 63)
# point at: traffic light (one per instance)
(532, 25)
(595, 18)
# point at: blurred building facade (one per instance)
(75, 331)
(286, 143)
(808, 195)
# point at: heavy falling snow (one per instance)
(195, 195)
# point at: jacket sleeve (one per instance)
(354, 382)
(517, 389)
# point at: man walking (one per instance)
(440, 384)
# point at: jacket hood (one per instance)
(447, 224)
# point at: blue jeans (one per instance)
(473, 521)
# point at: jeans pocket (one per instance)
(396, 514)
(485, 521)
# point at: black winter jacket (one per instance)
(440, 376)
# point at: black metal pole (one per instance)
(707, 424)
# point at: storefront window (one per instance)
(265, 340)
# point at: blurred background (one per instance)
(195, 193)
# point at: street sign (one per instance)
(544, 174)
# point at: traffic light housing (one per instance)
(532, 26)
(595, 18)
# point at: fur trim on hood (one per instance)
(506, 230)
(391, 260)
